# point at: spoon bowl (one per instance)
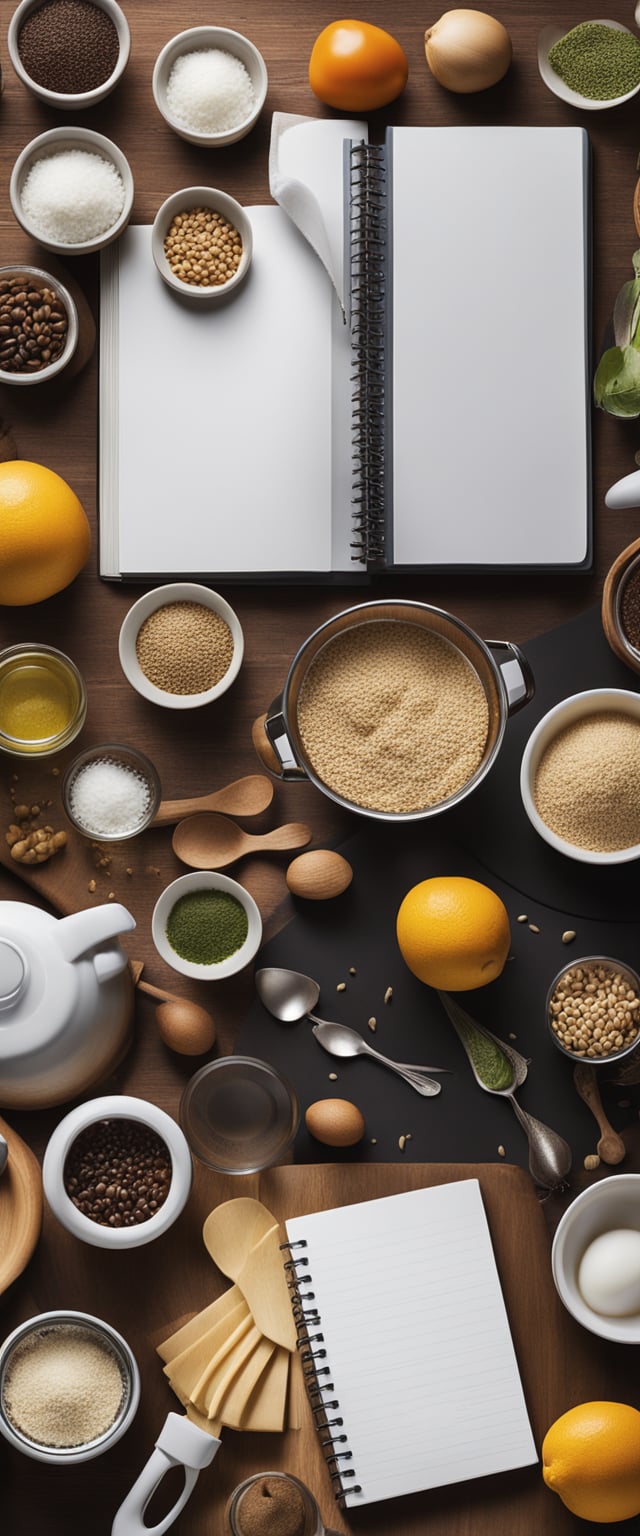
(288, 995)
(210, 840)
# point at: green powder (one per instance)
(206, 927)
(492, 1066)
(597, 61)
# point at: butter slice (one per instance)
(190, 1332)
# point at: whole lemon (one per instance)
(591, 1458)
(44, 533)
(453, 933)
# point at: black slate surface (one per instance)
(490, 839)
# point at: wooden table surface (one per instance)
(57, 425)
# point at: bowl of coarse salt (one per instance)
(71, 189)
(580, 776)
(210, 85)
(181, 645)
(111, 793)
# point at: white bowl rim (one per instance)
(601, 698)
(76, 136)
(159, 597)
(50, 369)
(223, 202)
(111, 1107)
(551, 34)
(210, 36)
(71, 99)
(206, 880)
(102, 1443)
(596, 1322)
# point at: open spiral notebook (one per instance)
(405, 1343)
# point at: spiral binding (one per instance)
(317, 1373)
(368, 266)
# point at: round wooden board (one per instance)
(609, 593)
(20, 1207)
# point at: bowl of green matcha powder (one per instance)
(594, 65)
(206, 925)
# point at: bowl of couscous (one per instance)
(580, 776)
(181, 645)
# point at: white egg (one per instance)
(609, 1273)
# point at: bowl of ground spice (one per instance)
(210, 85)
(593, 66)
(621, 606)
(71, 190)
(206, 925)
(69, 53)
(181, 645)
(580, 776)
(69, 1387)
(202, 243)
(117, 1172)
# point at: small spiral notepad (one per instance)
(405, 1343)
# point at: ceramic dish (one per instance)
(69, 101)
(56, 141)
(624, 566)
(552, 34)
(612, 1203)
(47, 1323)
(199, 39)
(123, 757)
(186, 885)
(183, 202)
(34, 280)
(112, 1107)
(160, 597)
(577, 707)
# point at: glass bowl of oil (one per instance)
(43, 700)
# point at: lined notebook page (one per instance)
(417, 1338)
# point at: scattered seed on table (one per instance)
(568, 935)
(402, 1140)
(352, 970)
(512, 1036)
(333, 1077)
(341, 987)
(374, 1141)
(591, 1161)
(523, 918)
(533, 928)
(501, 1151)
(373, 1024)
(388, 995)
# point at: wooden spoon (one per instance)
(611, 1147)
(184, 1026)
(243, 1239)
(231, 1230)
(244, 797)
(211, 841)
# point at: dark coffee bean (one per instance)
(124, 1152)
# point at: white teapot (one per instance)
(66, 1001)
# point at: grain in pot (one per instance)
(393, 717)
(184, 648)
(587, 787)
(63, 1386)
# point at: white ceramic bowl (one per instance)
(198, 39)
(183, 202)
(552, 34)
(612, 1202)
(51, 143)
(579, 705)
(111, 1107)
(70, 101)
(35, 279)
(94, 1326)
(177, 592)
(206, 880)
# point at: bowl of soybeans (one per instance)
(181, 645)
(593, 1010)
(580, 776)
(202, 243)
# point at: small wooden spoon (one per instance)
(243, 1239)
(184, 1026)
(211, 841)
(611, 1147)
(245, 797)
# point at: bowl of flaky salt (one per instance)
(71, 189)
(210, 85)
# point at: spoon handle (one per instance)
(424, 1085)
(295, 834)
(611, 1147)
(549, 1153)
(245, 797)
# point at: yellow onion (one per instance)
(467, 50)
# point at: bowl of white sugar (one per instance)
(580, 776)
(210, 84)
(72, 190)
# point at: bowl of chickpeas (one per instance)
(593, 1010)
(202, 243)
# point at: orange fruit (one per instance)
(453, 933)
(44, 533)
(591, 1458)
(357, 67)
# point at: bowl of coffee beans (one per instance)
(117, 1172)
(69, 53)
(38, 326)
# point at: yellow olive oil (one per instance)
(42, 700)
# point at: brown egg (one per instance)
(319, 874)
(336, 1122)
(185, 1027)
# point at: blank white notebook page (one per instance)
(418, 1345)
(490, 346)
(224, 454)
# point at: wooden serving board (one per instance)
(147, 1291)
(20, 1207)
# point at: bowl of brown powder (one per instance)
(181, 645)
(580, 776)
(69, 1387)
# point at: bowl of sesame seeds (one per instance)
(202, 243)
(69, 53)
(580, 776)
(181, 645)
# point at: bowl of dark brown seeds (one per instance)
(117, 1172)
(38, 326)
(621, 606)
(69, 53)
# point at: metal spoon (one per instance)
(291, 996)
(549, 1154)
(4, 1153)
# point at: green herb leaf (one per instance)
(625, 313)
(616, 387)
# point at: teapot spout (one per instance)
(86, 930)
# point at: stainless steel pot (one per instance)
(500, 666)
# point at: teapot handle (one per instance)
(85, 930)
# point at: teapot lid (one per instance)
(13, 973)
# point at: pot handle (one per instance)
(179, 1443)
(517, 676)
(272, 744)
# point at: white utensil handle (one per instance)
(180, 1443)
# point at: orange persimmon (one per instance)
(357, 67)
